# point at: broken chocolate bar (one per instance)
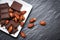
(5, 5)
(16, 6)
(4, 10)
(14, 30)
(2, 22)
(13, 23)
(4, 13)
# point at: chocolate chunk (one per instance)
(13, 23)
(7, 26)
(16, 6)
(5, 5)
(6, 15)
(4, 10)
(2, 22)
(14, 30)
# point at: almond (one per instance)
(43, 23)
(17, 16)
(10, 29)
(30, 25)
(32, 20)
(21, 18)
(15, 19)
(10, 10)
(22, 34)
(7, 21)
(11, 14)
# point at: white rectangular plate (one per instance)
(27, 7)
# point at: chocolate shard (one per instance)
(2, 22)
(6, 15)
(16, 6)
(4, 10)
(14, 30)
(13, 23)
(4, 5)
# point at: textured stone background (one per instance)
(48, 10)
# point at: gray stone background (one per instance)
(48, 10)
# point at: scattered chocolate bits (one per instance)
(32, 20)
(43, 23)
(30, 25)
(22, 34)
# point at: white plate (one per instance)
(25, 6)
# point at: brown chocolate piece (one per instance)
(13, 23)
(16, 6)
(6, 15)
(2, 22)
(5, 5)
(4, 10)
(14, 30)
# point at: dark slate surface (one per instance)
(48, 10)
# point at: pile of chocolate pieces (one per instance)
(11, 17)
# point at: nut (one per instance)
(15, 12)
(21, 23)
(32, 20)
(21, 18)
(15, 19)
(11, 14)
(10, 29)
(10, 10)
(22, 34)
(30, 25)
(7, 21)
(23, 12)
(43, 23)
(17, 16)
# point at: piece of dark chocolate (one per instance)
(13, 23)
(14, 30)
(4, 5)
(16, 6)
(6, 15)
(4, 10)
(2, 22)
